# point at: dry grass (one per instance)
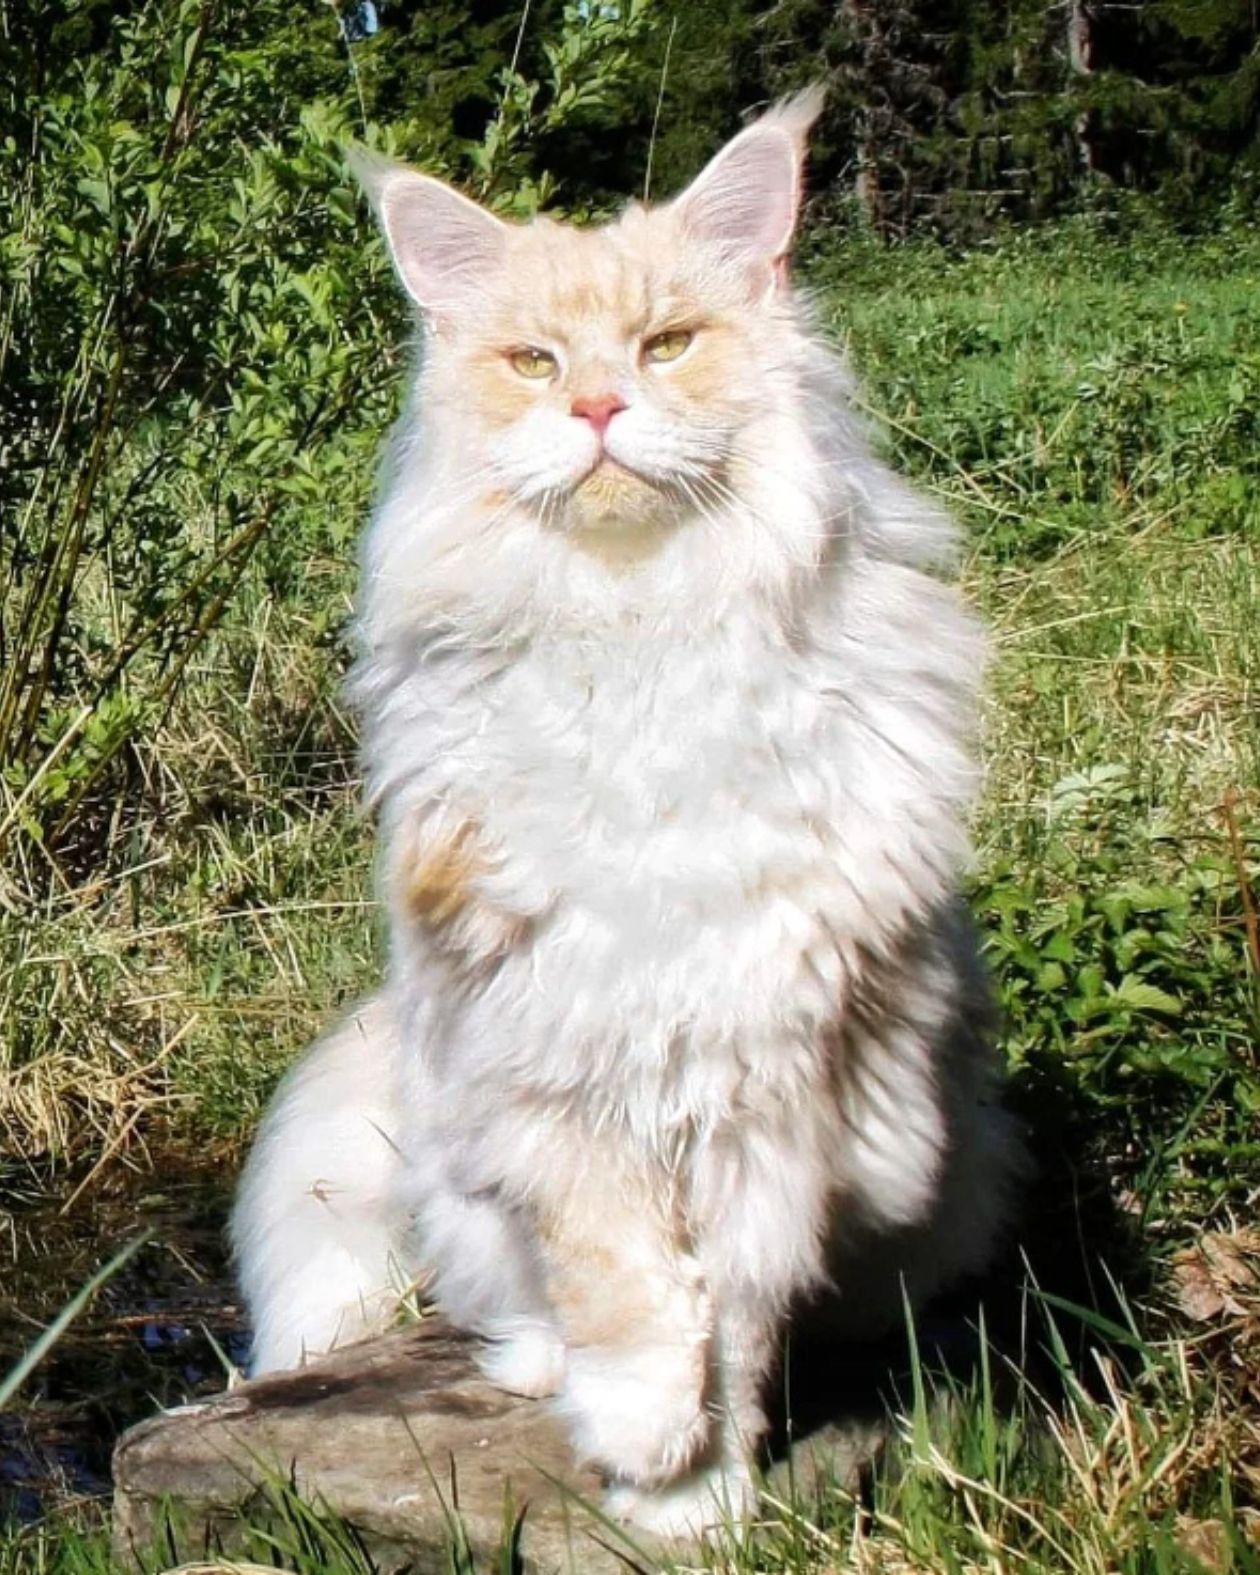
(1141, 646)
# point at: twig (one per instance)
(516, 51)
(1251, 918)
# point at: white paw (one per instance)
(639, 1414)
(529, 1361)
(708, 1500)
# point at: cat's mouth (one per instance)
(612, 496)
(609, 465)
(610, 480)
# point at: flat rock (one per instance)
(402, 1438)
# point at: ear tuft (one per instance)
(443, 244)
(797, 113)
(369, 167)
(746, 200)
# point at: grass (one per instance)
(1083, 398)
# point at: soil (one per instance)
(159, 1333)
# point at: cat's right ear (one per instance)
(443, 244)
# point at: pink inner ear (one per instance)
(746, 199)
(444, 245)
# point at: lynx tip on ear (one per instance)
(797, 113)
(370, 168)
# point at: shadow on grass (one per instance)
(1065, 1284)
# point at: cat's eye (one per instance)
(533, 362)
(667, 346)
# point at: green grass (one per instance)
(1084, 399)
(1102, 373)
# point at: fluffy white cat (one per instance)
(668, 717)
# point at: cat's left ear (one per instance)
(746, 200)
(443, 244)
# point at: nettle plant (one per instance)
(184, 326)
(1131, 986)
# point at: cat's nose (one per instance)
(599, 410)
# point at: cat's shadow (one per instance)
(1072, 1266)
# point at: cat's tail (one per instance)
(318, 1229)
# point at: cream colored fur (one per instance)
(669, 725)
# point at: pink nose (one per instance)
(599, 411)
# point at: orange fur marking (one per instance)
(436, 888)
(598, 1269)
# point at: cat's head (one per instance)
(606, 379)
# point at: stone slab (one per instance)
(398, 1436)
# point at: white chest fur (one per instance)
(705, 831)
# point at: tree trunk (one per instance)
(1081, 59)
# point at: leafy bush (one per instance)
(188, 324)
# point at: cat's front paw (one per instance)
(710, 1499)
(639, 1414)
(526, 1360)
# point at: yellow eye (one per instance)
(532, 362)
(667, 346)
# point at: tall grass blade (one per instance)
(30, 1360)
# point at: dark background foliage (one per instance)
(943, 114)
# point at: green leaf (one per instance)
(1137, 994)
(1051, 977)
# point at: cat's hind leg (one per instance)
(318, 1228)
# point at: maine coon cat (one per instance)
(667, 715)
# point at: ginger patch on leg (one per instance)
(435, 882)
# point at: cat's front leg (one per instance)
(759, 1206)
(720, 1488)
(461, 911)
(486, 1278)
(635, 1314)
